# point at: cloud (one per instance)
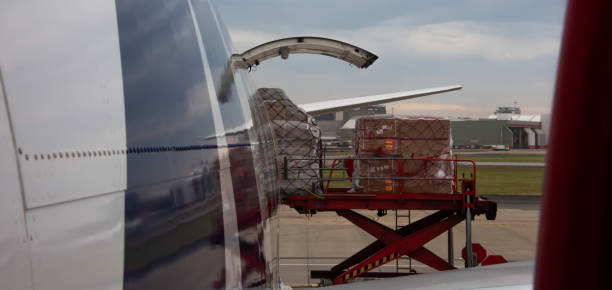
(245, 39)
(535, 110)
(500, 42)
(492, 41)
(497, 62)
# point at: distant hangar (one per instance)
(507, 128)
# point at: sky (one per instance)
(501, 51)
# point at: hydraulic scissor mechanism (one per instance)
(304, 44)
(391, 244)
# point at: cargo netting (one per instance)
(297, 140)
(403, 138)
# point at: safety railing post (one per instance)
(285, 169)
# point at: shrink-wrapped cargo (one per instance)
(404, 138)
(296, 136)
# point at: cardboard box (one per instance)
(382, 170)
(426, 169)
(387, 146)
(404, 137)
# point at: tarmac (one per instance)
(323, 240)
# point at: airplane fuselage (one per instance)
(110, 177)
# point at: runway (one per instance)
(321, 241)
(501, 152)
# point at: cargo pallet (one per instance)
(451, 209)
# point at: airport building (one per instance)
(507, 128)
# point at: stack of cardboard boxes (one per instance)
(403, 137)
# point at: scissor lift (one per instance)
(391, 244)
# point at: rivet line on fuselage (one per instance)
(111, 152)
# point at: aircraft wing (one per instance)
(349, 103)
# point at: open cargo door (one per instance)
(313, 45)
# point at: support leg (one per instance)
(468, 237)
(451, 247)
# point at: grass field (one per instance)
(506, 180)
(490, 180)
(336, 184)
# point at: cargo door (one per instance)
(311, 45)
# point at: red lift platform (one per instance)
(409, 240)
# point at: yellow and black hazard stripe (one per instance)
(369, 266)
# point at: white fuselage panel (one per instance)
(62, 199)
(78, 253)
(14, 259)
(62, 73)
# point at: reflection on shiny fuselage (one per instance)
(174, 215)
